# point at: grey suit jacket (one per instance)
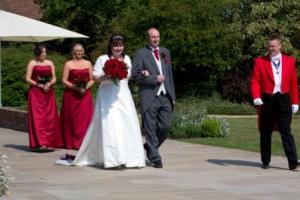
(148, 86)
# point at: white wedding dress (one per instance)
(114, 136)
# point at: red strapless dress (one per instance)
(43, 121)
(76, 111)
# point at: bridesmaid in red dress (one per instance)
(77, 107)
(43, 122)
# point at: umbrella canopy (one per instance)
(18, 28)
(23, 29)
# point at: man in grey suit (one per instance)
(152, 71)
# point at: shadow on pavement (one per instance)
(238, 163)
(27, 149)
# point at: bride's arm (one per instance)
(98, 74)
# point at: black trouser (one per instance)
(156, 124)
(276, 109)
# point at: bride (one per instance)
(113, 138)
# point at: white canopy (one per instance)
(18, 28)
(23, 29)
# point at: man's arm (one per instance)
(294, 84)
(137, 72)
(255, 84)
(172, 79)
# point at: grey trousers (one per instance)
(156, 124)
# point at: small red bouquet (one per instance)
(44, 79)
(80, 82)
(115, 69)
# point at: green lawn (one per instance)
(244, 135)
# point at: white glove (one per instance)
(258, 102)
(295, 108)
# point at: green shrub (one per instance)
(193, 129)
(194, 122)
(184, 127)
(178, 126)
(214, 127)
(229, 108)
(214, 105)
(224, 127)
(210, 127)
(219, 106)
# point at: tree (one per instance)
(255, 20)
(192, 30)
(90, 17)
(209, 40)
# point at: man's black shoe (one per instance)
(157, 164)
(148, 163)
(265, 166)
(294, 167)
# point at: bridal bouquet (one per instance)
(115, 69)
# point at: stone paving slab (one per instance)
(190, 172)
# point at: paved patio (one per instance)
(190, 172)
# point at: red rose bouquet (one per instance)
(115, 69)
(80, 82)
(44, 79)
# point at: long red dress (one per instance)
(76, 111)
(43, 121)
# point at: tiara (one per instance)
(117, 37)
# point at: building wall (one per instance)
(13, 119)
(22, 7)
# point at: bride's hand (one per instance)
(96, 76)
(145, 73)
(105, 78)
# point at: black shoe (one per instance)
(265, 166)
(294, 167)
(146, 147)
(148, 163)
(157, 164)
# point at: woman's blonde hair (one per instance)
(77, 45)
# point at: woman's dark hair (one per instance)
(115, 40)
(38, 49)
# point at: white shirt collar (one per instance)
(278, 56)
(153, 48)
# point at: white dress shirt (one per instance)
(158, 62)
(277, 73)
